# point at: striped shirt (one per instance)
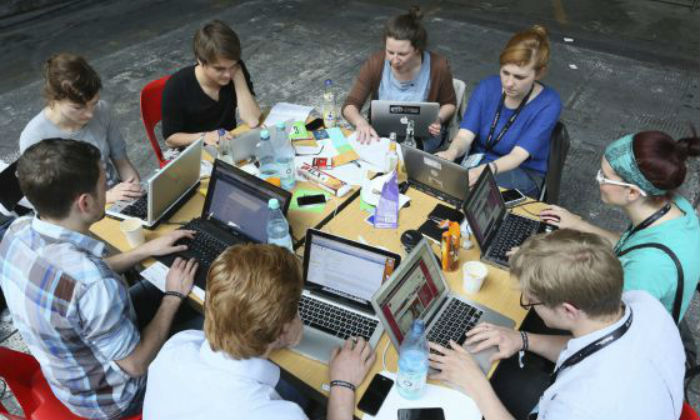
(73, 312)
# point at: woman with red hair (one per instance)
(660, 249)
(510, 117)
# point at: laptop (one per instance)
(166, 190)
(235, 211)
(435, 176)
(418, 290)
(340, 277)
(385, 117)
(496, 230)
(241, 147)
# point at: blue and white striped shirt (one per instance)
(73, 312)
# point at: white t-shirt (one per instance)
(638, 376)
(189, 381)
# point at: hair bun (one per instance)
(415, 12)
(540, 31)
(688, 146)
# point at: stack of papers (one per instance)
(283, 112)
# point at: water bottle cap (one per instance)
(328, 82)
(273, 204)
(280, 125)
(222, 132)
(264, 134)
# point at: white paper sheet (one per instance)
(455, 404)
(372, 153)
(284, 111)
(156, 274)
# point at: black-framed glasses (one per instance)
(529, 304)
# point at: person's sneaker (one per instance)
(5, 316)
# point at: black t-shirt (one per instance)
(187, 109)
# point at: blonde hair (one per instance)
(570, 266)
(528, 46)
(252, 292)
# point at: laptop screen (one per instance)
(484, 207)
(239, 200)
(344, 268)
(412, 294)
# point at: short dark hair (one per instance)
(408, 27)
(216, 39)
(69, 76)
(55, 171)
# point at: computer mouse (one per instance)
(409, 239)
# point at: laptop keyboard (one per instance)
(205, 247)
(513, 232)
(437, 194)
(334, 320)
(458, 318)
(138, 208)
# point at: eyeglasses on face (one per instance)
(601, 179)
(528, 305)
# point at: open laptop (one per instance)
(241, 147)
(235, 211)
(418, 290)
(340, 277)
(435, 176)
(166, 190)
(386, 117)
(496, 230)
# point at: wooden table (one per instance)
(498, 292)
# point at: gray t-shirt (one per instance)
(100, 131)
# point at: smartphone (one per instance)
(375, 394)
(432, 413)
(315, 124)
(513, 197)
(308, 200)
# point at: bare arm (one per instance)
(503, 164)
(445, 113)
(126, 170)
(349, 364)
(564, 219)
(365, 132)
(161, 246)
(180, 279)
(177, 140)
(247, 105)
(459, 146)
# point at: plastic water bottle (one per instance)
(328, 109)
(413, 362)
(410, 139)
(392, 158)
(265, 154)
(284, 157)
(277, 226)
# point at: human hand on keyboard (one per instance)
(352, 362)
(180, 277)
(165, 244)
(456, 366)
(128, 190)
(507, 340)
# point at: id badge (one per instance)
(473, 160)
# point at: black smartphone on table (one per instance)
(432, 413)
(375, 394)
(513, 197)
(308, 200)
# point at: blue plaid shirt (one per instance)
(73, 312)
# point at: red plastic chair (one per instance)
(151, 112)
(688, 413)
(23, 376)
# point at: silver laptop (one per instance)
(385, 117)
(418, 290)
(495, 229)
(241, 147)
(166, 190)
(340, 277)
(438, 177)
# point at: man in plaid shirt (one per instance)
(67, 299)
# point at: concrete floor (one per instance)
(636, 64)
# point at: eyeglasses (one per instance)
(529, 304)
(603, 180)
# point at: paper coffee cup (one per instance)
(473, 275)
(133, 231)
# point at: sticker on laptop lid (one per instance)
(433, 163)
